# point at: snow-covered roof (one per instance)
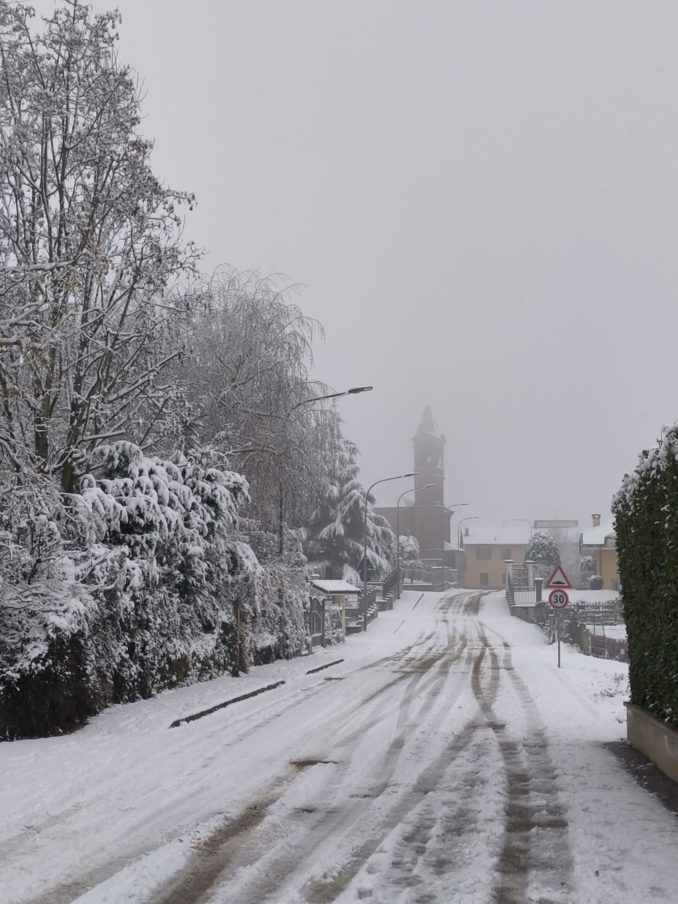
(497, 534)
(562, 534)
(596, 536)
(334, 586)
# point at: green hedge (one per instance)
(56, 674)
(646, 518)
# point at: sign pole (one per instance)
(558, 600)
(558, 635)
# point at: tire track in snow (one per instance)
(536, 847)
(242, 725)
(426, 679)
(347, 819)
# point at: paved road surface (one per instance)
(456, 765)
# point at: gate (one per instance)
(316, 621)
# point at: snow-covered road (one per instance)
(446, 759)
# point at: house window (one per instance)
(506, 552)
(483, 552)
(484, 579)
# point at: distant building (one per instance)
(423, 514)
(486, 549)
(600, 542)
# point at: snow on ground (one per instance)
(447, 758)
(593, 597)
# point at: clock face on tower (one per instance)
(431, 461)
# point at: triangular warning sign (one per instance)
(558, 580)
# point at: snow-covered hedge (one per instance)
(646, 521)
(154, 587)
(279, 629)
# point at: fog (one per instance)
(480, 199)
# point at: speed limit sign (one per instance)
(558, 599)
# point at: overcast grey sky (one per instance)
(481, 197)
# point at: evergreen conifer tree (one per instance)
(338, 525)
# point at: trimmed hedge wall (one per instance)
(646, 520)
(110, 654)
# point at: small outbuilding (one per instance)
(342, 595)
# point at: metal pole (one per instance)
(558, 635)
(460, 541)
(332, 395)
(398, 542)
(365, 561)
(426, 486)
(367, 493)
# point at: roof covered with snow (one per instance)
(334, 586)
(596, 536)
(507, 534)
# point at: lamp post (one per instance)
(367, 493)
(281, 494)
(459, 539)
(426, 486)
(448, 508)
(451, 509)
(281, 502)
(333, 395)
(461, 521)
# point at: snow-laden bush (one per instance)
(154, 586)
(587, 565)
(279, 628)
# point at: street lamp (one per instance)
(461, 521)
(332, 395)
(367, 493)
(448, 508)
(404, 493)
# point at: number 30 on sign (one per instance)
(558, 599)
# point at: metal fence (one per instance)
(583, 625)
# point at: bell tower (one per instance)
(431, 518)
(429, 449)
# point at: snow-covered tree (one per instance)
(247, 382)
(89, 246)
(543, 550)
(409, 549)
(338, 525)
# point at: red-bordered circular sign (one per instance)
(558, 599)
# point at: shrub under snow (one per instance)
(154, 587)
